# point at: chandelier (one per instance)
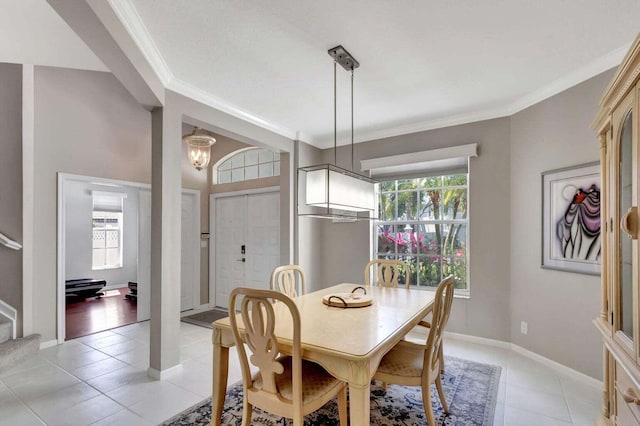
(332, 192)
(199, 147)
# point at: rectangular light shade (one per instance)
(334, 188)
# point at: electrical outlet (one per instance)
(523, 327)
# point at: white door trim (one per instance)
(63, 178)
(212, 227)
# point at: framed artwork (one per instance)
(571, 219)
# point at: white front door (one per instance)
(263, 238)
(230, 230)
(247, 242)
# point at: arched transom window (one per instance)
(254, 163)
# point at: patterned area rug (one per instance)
(204, 319)
(470, 387)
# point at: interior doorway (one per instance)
(246, 240)
(122, 287)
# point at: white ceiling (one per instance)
(424, 64)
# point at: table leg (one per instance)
(359, 404)
(220, 373)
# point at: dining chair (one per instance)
(411, 364)
(278, 386)
(386, 272)
(289, 279)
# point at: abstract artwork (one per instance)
(571, 219)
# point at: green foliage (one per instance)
(432, 249)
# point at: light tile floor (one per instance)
(102, 380)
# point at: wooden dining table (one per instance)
(348, 342)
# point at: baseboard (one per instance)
(48, 344)
(480, 340)
(581, 377)
(561, 368)
(162, 374)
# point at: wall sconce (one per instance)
(199, 147)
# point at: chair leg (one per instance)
(443, 400)
(384, 386)
(246, 413)
(441, 355)
(343, 412)
(428, 410)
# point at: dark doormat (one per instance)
(204, 319)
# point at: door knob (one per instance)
(241, 260)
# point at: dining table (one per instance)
(348, 342)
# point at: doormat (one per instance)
(204, 319)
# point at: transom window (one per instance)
(254, 163)
(424, 223)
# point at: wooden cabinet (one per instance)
(619, 320)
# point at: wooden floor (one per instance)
(91, 315)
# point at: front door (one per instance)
(247, 242)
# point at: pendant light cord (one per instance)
(335, 116)
(352, 119)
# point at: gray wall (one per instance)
(199, 180)
(78, 234)
(11, 188)
(311, 241)
(558, 306)
(86, 123)
(486, 313)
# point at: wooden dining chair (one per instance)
(411, 364)
(289, 279)
(278, 386)
(386, 272)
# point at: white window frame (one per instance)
(396, 254)
(104, 229)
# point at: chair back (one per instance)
(258, 321)
(439, 318)
(386, 272)
(289, 279)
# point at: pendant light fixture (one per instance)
(332, 192)
(199, 147)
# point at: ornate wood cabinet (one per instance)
(619, 320)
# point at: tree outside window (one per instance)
(424, 223)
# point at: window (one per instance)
(424, 222)
(107, 230)
(254, 163)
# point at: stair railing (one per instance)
(11, 314)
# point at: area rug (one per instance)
(204, 319)
(471, 389)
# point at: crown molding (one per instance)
(195, 93)
(128, 15)
(575, 77)
(567, 81)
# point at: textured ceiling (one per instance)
(423, 64)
